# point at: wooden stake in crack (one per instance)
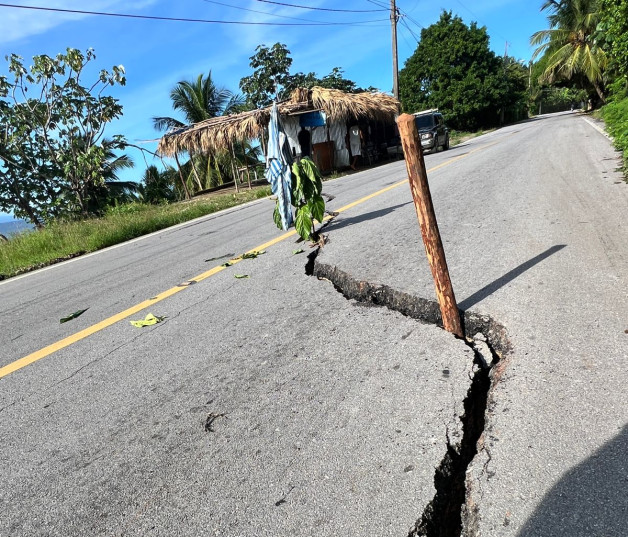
(427, 221)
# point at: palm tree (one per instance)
(111, 190)
(197, 101)
(157, 187)
(571, 44)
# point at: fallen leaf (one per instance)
(227, 264)
(73, 316)
(299, 251)
(253, 254)
(149, 320)
(241, 276)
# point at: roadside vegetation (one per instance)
(583, 61)
(63, 240)
(580, 62)
(60, 166)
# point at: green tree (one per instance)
(52, 143)
(112, 190)
(614, 24)
(197, 101)
(270, 76)
(572, 44)
(454, 70)
(515, 98)
(157, 186)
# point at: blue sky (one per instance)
(157, 54)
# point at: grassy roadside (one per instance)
(458, 137)
(59, 241)
(615, 116)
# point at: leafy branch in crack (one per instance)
(306, 188)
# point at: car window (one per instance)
(423, 122)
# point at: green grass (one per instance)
(615, 115)
(457, 137)
(59, 241)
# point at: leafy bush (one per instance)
(615, 115)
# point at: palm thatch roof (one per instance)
(220, 133)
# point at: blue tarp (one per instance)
(313, 119)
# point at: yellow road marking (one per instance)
(82, 334)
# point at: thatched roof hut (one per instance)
(220, 133)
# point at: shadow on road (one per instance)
(489, 289)
(339, 224)
(591, 500)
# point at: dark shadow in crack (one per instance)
(340, 223)
(590, 500)
(489, 289)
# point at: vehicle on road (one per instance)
(432, 129)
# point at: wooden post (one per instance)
(185, 186)
(234, 170)
(427, 221)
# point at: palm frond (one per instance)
(167, 123)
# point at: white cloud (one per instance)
(17, 23)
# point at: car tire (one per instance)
(446, 144)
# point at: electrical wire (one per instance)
(404, 22)
(379, 4)
(292, 18)
(257, 11)
(176, 19)
(412, 20)
(323, 8)
(410, 46)
(478, 19)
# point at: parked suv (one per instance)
(432, 130)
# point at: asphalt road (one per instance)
(272, 405)
(535, 232)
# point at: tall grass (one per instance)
(34, 249)
(615, 115)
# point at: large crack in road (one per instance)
(452, 512)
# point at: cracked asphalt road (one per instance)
(333, 415)
(325, 416)
(535, 233)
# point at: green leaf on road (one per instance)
(241, 276)
(73, 316)
(299, 251)
(227, 264)
(253, 254)
(149, 320)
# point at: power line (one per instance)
(404, 22)
(379, 4)
(176, 19)
(323, 8)
(412, 19)
(478, 19)
(407, 42)
(257, 11)
(288, 17)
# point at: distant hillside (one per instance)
(14, 226)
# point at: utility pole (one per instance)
(394, 17)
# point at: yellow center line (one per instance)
(82, 334)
